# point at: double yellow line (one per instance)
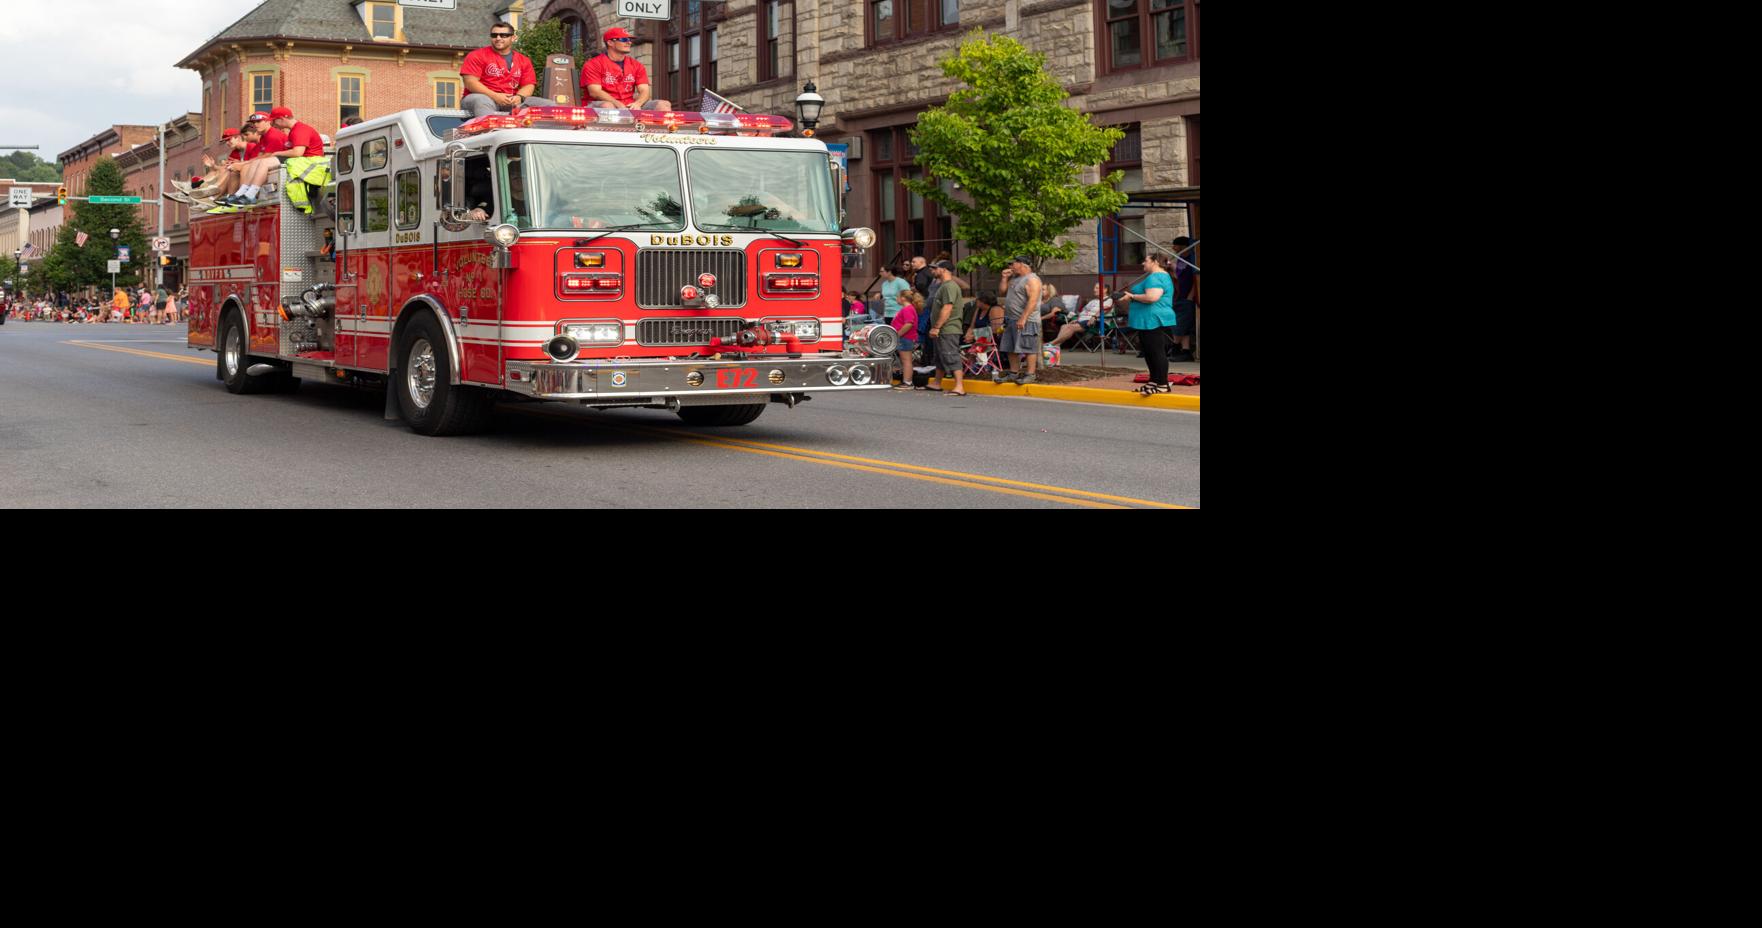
(1039, 491)
(102, 346)
(1019, 488)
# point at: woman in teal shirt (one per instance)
(1151, 310)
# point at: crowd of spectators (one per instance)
(144, 307)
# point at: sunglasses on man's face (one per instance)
(623, 41)
(501, 35)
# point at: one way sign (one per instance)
(645, 9)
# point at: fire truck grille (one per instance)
(661, 274)
(669, 332)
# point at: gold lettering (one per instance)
(656, 239)
(727, 239)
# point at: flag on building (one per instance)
(80, 240)
(714, 103)
(27, 251)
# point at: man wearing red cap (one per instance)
(616, 79)
(303, 156)
(498, 78)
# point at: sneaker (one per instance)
(1000, 377)
(1183, 356)
(1026, 379)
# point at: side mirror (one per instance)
(453, 185)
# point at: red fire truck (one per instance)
(611, 258)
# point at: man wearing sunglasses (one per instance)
(616, 79)
(498, 78)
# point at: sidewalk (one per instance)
(1089, 377)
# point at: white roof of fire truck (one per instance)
(427, 132)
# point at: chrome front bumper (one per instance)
(691, 382)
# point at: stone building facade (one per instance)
(1128, 63)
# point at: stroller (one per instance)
(981, 358)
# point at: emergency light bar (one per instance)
(587, 117)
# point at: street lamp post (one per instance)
(115, 234)
(808, 107)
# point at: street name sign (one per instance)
(132, 201)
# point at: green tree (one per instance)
(70, 266)
(1016, 151)
(26, 166)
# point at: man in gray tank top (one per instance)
(1021, 321)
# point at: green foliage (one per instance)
(26, 166)
(1017, 153)
(539, 41)
(70, 266)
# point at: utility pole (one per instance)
(158, 265)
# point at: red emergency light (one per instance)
(620, 120)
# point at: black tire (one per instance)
(426, 369)
(720, 415)
(235, 360)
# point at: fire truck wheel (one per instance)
(235, 362)
(720, 415)
(429, 402)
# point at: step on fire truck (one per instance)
(611, 258)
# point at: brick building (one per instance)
(140, 169)
(1129, 63)
(329, 59)
(77, 161)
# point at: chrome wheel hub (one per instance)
(234, 353)
(420, 373)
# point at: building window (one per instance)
(446, 95)
(771, 40)
(348, 98)
(907, 224)
(262, 93)
(691, 54)
(1145, 33)
(1193, 151)
(225, 107)
(576, 36)
(894, 20)
(382, 21)
(1122, 240)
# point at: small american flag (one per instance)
(28, 250)
(718, 104)
(80, 240)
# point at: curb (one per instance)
(1044, 391)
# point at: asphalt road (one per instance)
(120, 416)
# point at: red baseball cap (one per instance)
(281, 112)
(256, 116)
(616, 32)
(230, 133)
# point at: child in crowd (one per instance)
(911, 305)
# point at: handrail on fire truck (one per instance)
(620, 120)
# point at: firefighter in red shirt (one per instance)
(616, 79)
(498, 78)
(262, 139)
(301, 151)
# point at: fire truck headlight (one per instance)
(505, 235)
(861, 238)
(596, 333)
(836, 376)
(712, 301)
(859, 375)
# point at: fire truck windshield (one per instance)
(591, 187)
(785, 191)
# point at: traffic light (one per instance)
(164, 260)
(61, 195)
